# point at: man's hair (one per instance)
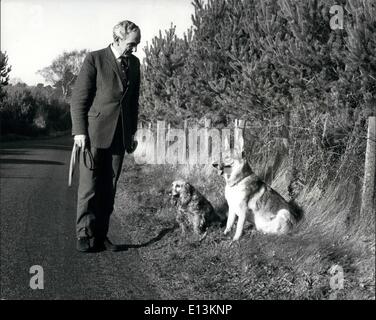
(123, 28)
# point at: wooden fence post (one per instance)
(161, 142)
(168, 133)
(368, 192)
(204, 141)
(239, 135)
(184, 156)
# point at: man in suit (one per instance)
(104, 111)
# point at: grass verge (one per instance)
(303, 265)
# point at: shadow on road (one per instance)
(13, 152)
(52, 147)
(64, 143)
(125, 247)
(25, 161)
(153, 240)
(25, 177)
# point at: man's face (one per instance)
(129, 43)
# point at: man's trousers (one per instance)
(97, 187)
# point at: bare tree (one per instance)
(63, 71)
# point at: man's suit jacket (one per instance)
(99, 95)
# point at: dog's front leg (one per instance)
(197, 224)
(230, 221)
(240, 225)
(180, 219)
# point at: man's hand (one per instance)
(133, 146)
(81, 140)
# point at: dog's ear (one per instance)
(239, 154)
(219, 168)
(188, 187)
(186, 193)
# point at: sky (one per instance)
(34, 32)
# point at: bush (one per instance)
(33, 110)
(259, 59)
(279, 66)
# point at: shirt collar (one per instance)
(115, 52)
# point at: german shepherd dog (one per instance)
(248, 195)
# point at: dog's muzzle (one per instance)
(173, 194)
(174, 197)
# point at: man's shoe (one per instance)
(83, 244)
(105, 244)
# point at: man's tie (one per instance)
(124, 69)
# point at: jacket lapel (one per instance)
(112, 61)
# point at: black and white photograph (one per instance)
(187, 150)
